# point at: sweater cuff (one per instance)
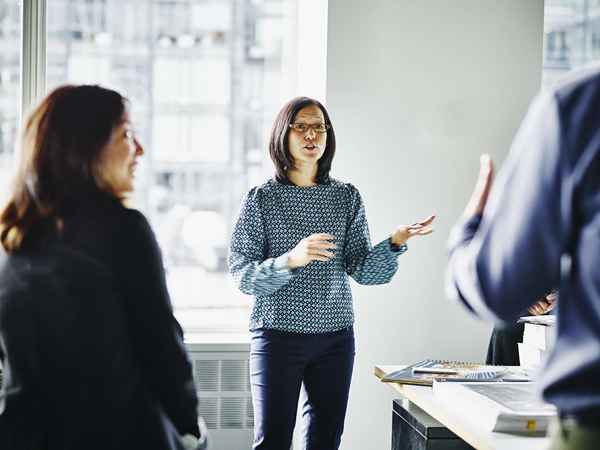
(280, 264)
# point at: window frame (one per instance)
(33, 53)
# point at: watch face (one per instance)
(398, 248)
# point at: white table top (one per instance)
(462, 425)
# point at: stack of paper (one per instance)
(498, 406)
(538, 339)
(426, 371)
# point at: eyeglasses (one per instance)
(130, 135)
(304, 127)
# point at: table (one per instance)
(462, 425)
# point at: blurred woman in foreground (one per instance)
(93, 356)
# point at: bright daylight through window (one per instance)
(571, 36)
(10, 72)
(205, 79)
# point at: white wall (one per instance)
(304, 51)
(417, 90)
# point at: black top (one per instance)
(93, 356)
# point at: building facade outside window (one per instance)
(10, 74)
(205, 79)
(571, 36)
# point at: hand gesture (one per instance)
(482, 188)
(543, 305)
(316, 247)
(404, 232)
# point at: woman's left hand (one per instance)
(404, 232)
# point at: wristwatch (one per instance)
(398, 248)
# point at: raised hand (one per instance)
(404, 232)
(482, 188)
(316, 247)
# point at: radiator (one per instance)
(223, 385)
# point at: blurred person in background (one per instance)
(502, 348)
(93, 356)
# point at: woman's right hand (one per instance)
(316, 247)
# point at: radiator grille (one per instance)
(232, 412)
(208, 409)
(222, 382)
(234, 375)
(249, 414)
(206, 375)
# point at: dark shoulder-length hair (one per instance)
(59, 150)
(278, 143)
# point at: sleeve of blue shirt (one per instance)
(365, 263)
(502, 262)
(253, 272)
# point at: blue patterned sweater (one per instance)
(316, 298)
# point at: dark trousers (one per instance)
(503, 349)
(280, 363)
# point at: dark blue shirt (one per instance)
(541, 229)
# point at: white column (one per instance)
(311, 50)
(417, 90)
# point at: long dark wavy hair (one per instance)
(59, 151)
(278, 143)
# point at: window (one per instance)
(205, 79)
(571, 36)
(10, 74)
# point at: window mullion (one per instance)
(33, 55)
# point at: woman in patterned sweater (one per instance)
(297, 239)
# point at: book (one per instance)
(425, 372)
(501, 407)
(547, 319)
(530, 356)
(539, 336)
